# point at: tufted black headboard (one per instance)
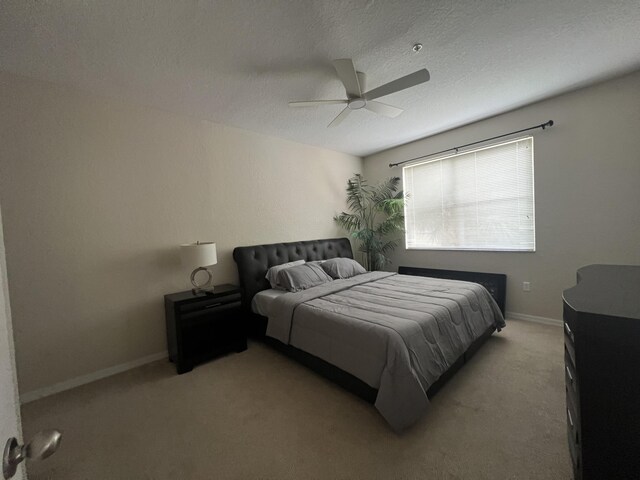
(254, 261)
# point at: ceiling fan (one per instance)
(357, 98)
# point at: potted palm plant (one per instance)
(376, 215)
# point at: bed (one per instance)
(393, 339)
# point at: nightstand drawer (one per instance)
(207, 303)
(220, 334)
(213, 311)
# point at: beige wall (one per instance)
(96, 196)
(587, 187)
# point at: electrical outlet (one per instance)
(526, 286)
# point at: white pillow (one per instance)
(272, 273)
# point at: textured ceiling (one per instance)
(240, 62)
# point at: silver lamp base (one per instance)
(207, 286)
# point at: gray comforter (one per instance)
(397, 333)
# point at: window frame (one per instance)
(476, 249)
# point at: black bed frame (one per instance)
(495, 283)
(254, 261)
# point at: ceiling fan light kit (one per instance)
(357, 98)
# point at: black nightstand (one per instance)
(202, 326)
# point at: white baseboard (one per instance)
(123, 367)
(534, 318)
(88, 378)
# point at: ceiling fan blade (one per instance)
(348, 76)
(341, 116)
(408, 81)
(313, 103)
(383, 109)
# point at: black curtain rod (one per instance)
(542, 126)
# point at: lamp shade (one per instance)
(200, 254)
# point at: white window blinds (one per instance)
(478, 200)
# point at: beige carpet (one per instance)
(260, 415)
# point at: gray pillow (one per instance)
(343, 268)
(302, 277)
(317, 262)
(272, 273)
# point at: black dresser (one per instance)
(602, 371)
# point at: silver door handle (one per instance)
(43, 445)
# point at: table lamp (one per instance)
(199, 256)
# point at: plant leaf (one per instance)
(348, 221)
(375, 212)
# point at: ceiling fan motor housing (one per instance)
(356, 103)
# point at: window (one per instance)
(476, 200)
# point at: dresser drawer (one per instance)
(568, 331)
(573, 420)
(576, 460)
(569, 317)
(570, 377)
(570, 350)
